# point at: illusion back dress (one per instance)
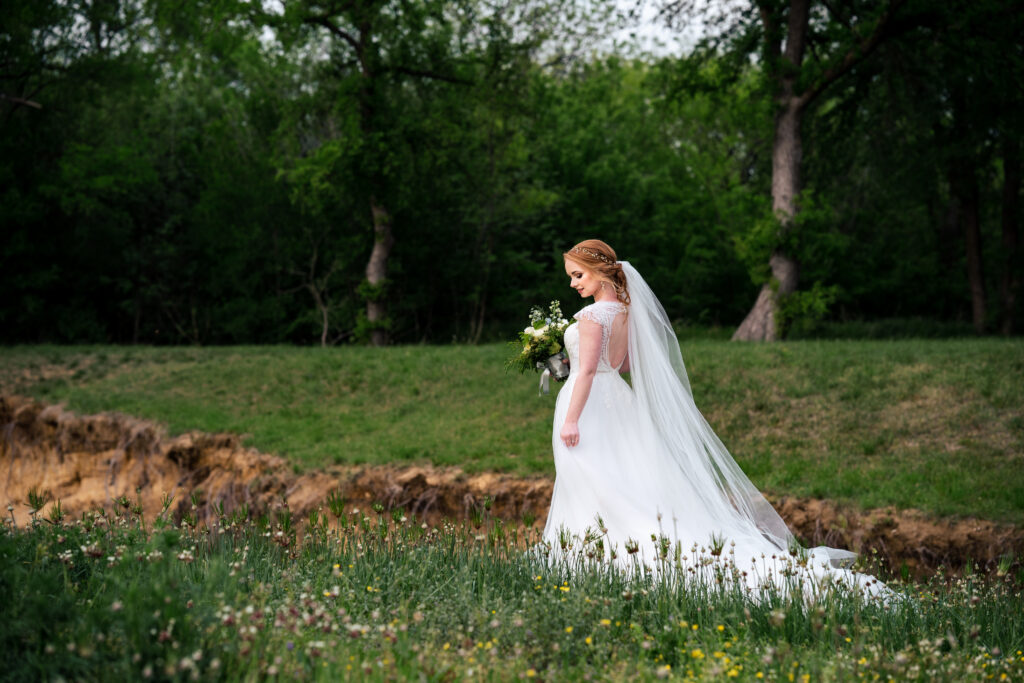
(608, 480)
(649, 481)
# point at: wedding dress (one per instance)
(649, 483)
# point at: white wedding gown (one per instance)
(626, 479)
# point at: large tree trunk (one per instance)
(785, 67)
(761, 322)
(1010, 219)
(377, 273)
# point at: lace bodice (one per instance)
(602, 313)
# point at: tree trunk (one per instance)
(1010, 219)
(137, 315)
(761, 322)
(321, 306)
(485, 244)
(377, 273)
(963, 186)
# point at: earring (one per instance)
(602, 285)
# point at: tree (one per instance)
(376, 49)
(962, 77)
(1010, 222)
(804, 47)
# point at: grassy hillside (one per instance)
(936, 425)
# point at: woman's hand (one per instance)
(570, 435)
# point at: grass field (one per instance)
(374, 597)
(936, 425)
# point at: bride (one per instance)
(641, 479)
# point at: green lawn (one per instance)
(934, 425)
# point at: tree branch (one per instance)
(430, 75)
(855, 55)
(796, 31)
(771, 32)
(835, 15)
(20, 100)
(325, 21)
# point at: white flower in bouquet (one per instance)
(541, 340)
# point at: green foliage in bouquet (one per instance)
(543, 338)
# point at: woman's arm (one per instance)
(590, 353)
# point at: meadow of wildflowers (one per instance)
(353, 594)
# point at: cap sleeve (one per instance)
(599, 312)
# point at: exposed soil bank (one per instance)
(87, 461)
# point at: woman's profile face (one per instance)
(582, 279)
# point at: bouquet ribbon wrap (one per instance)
(545, 383)
(555, 366)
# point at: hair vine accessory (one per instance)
(595, 254)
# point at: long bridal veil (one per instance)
(688, 444)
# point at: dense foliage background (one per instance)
(217, 172)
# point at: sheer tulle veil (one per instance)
(662, 389)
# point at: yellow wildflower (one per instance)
(568, 629)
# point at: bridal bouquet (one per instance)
(539, 346)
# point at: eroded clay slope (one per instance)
(87, 461)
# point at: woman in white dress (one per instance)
(641, 479)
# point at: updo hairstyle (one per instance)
(600, 258)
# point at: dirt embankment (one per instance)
(88, 461)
